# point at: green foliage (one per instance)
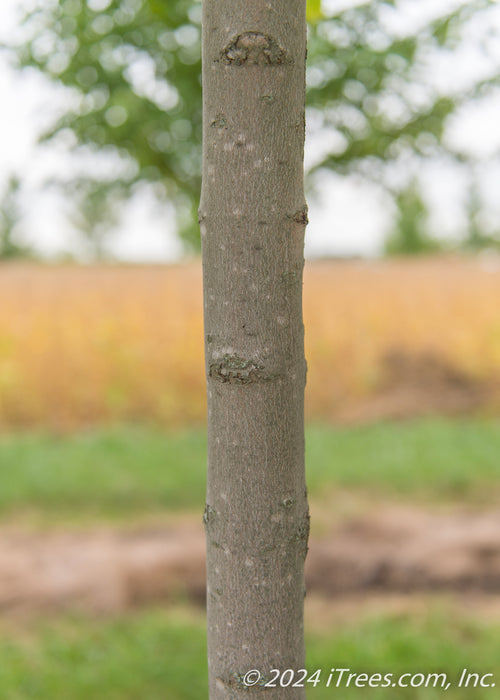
(10, 248)
(367, 69)
(409, 236)
(133, 70)
(477, 238)
(314, 11)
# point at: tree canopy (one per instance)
(132, 68)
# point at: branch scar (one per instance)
(253, 48)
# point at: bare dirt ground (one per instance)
(420, 384)
(386, 555)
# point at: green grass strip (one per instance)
(124, 471)
(156, 654)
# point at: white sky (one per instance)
(347, 218)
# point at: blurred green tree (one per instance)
(10, 215)
(133, 70)
(478, 236)
(410, 236)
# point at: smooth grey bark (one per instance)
(252, 220)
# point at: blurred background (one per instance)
(102, 388)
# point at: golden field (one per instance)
(83, 345)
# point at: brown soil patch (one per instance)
(394, 552)
(324, 614)
(403, 550)
(419, 384)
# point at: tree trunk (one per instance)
(252, 219)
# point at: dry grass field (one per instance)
(86, 345)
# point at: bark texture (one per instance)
(252, 219)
